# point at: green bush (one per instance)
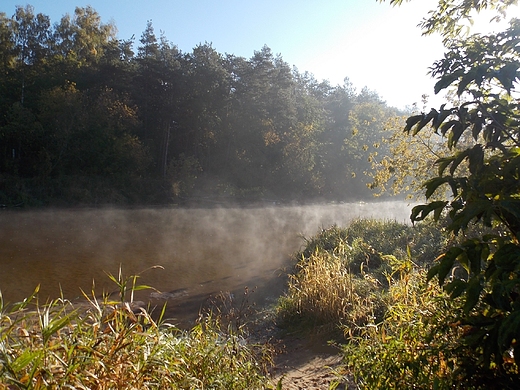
(406, 349)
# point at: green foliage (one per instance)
(409, 162)
(450, 16)
(342, 276)
(477, 182)
(77, 102)
(116, 344)
(394, 354)
(364, 242)
(398, 330)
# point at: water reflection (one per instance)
(202, 251)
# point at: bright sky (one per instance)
(373, 44)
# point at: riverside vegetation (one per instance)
(362, 286)
(365, 288)
(368, 286)
(116, 344)
(341, 284)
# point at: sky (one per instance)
(375, 45)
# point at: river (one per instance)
(201, 251)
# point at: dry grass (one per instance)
(341, 278)
(325, 296)
(105, 344)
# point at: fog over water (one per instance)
(202, 251)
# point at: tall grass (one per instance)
(403, 351)
(116, 344)
(397, 331)
(364, 285)
(342, 276)
(324, 296)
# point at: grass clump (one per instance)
(342, 276)
(323, 296)
(367, 286)
(116, 344)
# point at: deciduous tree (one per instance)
(483, 178)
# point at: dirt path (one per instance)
(309, 366)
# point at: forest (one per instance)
(91, 119)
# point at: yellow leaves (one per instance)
(410, 161)
(271, 138)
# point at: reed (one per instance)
(116, 344)
(342, 276)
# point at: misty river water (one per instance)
(202, 251)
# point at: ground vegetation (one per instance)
(453, 323)
(115, 342)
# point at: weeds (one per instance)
(368, 281)
(342, 276)
(116, 344)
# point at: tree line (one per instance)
(90, 118)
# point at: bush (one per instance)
(405, 350)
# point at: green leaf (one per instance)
(459, 157)
(55, 324)
(446, 126)
(446, 80)
(445, 266)
(477, 127)
(432, 185)
(476, 159)
(509, 330)
(446, 262)
(507, 258)
(422, 211)
(433, 271)
(455, 134)
(512, 207)
(466, 80)
(480, 73)
(456, 288)
(141, 287)
(440, 118)
(475, 251)
(443, 164)
(472, 293)
(507, 75)
(412, 121)
(472, 210)
(500, 297)
(27, 357)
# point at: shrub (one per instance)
(405, 350)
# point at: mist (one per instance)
(201, 251)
